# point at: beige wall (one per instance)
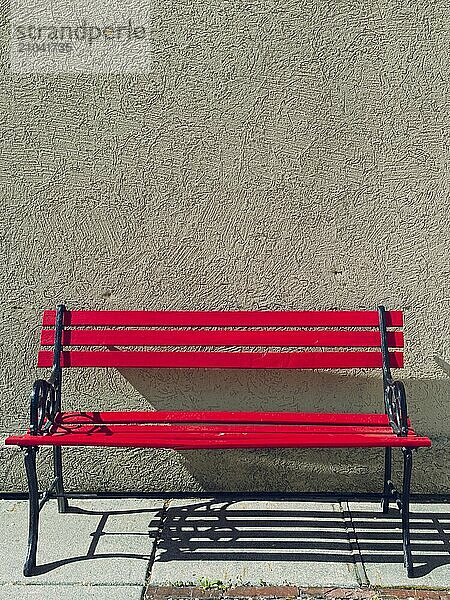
(281, 155)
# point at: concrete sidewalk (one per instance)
(110, 549)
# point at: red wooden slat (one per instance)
(221, 360)
(134, 337)
(115, 417)
(242, 440)
(360, 318)
(225, 429)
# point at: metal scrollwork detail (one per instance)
(43, 407)
(396, 409)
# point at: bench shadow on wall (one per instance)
(294, 469)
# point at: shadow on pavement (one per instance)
(210, 531)
(224, 531)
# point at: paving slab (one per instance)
(69, 592)
(379, 538)
(100, 542)
(241, 542)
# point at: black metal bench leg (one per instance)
(387, 490)
(33, 519)
(63, 505)
(407, 468)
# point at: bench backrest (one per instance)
(232, 339)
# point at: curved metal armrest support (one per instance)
(396, 407)
(42, 406)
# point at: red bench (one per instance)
(234, 340)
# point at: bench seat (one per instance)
(195, 430)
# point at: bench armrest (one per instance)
(42, 406)
(396, 407)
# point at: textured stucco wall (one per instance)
(281, 155)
